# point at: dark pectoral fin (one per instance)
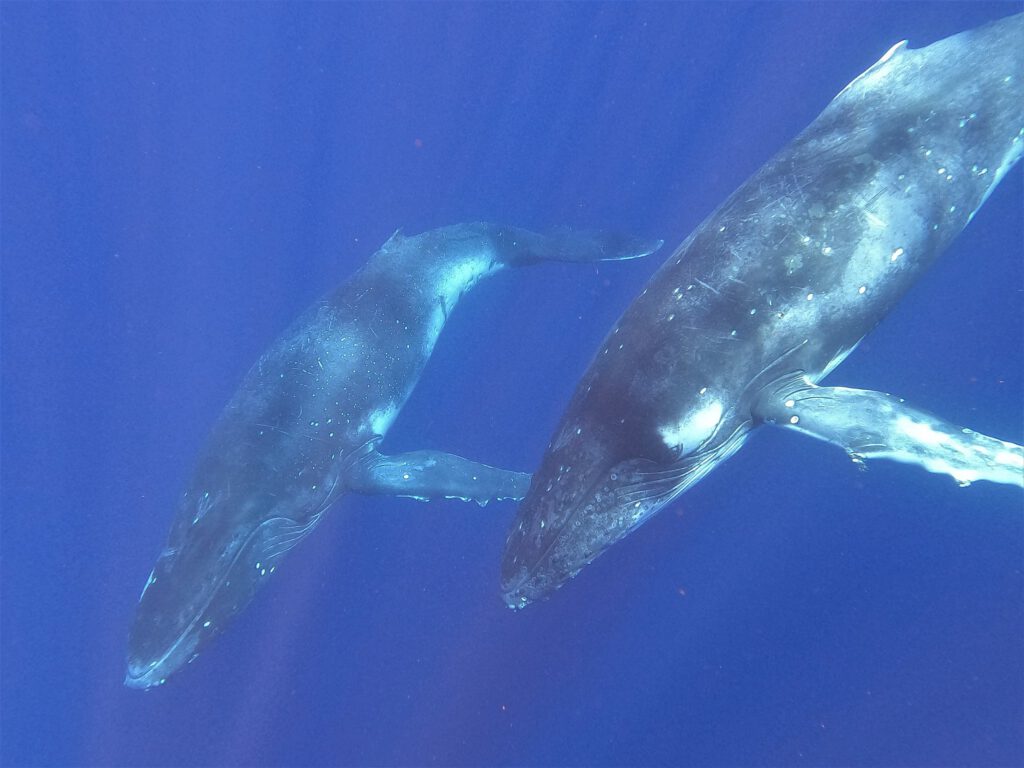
(427, 475)
(869, 424)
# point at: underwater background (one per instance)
(179, 181)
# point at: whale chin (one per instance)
(533, 590)
(149, 673)
(531, 586)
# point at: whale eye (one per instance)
(614, 476)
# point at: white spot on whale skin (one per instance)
(694, 428)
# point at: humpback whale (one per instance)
(305, 424)
(771, 292)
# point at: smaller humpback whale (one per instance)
(772, 292)
(304, 428)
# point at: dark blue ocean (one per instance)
(180, 180)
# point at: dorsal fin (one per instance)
(877, 69)
(395, 239)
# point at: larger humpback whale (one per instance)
(304, 426)
(772, 292)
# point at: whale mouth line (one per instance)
(144, 678)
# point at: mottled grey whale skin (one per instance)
(304, 426)
(773, 291)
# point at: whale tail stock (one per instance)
(449, 261)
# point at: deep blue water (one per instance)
(180, 180)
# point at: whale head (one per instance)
(217, 557)
(609, 468)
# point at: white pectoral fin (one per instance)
(869, 425)
(427, 475)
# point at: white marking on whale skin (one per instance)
(203, 505)
(922, 433)
(149, 582)
(874, 220)
(380, 421)
(457, 277)
(451, 280)
(1009, 460)
(693, 430)
(965, 461)
(873, 259)
(833, 363)
(434, 326)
